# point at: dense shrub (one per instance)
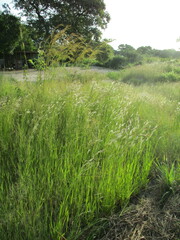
(116, 62)
(169, 77)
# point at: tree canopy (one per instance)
(14, 36)
(85, 17)
(129, 53)
(145, 50)
(106, 52)
(10, 32)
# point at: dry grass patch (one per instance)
(147, 220)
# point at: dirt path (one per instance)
(32, 75)
(20, 75)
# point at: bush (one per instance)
(114, 75)
(106, 53)
(150, 73)
(116, 62)
(169, 77)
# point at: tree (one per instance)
(10, 33)
(84, 16)
(14, 36)
(166, 53)
(147, 50)
(129, 53)
(106, 53)
(26, 42)
(117, 62)
(124, 48)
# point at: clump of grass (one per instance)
(169, 175)
(72, 74)
(114, 75)
(160, 104)
(70, 152)
(170, 77)
(74, 150)
(143, 220)
(150, 73)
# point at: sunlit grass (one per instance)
(72, 150)
(148, 73)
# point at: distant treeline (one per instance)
(128, 55)
(17, 37)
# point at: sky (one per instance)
(154, 23)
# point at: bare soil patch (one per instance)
(146, 221)
(147, 218)
(32, 75)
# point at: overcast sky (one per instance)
(154, 23)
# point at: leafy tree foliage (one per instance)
(10, 32)
(117, 62)
(14, 36)
(106, 52)
(147, 50)
(26, 39)
(124, 48)
(129, 53)
(166, 53)
(6, 8)
(85, 17)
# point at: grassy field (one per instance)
(74, 149)
(158, 72)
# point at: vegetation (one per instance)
(84, 157)
(10, 33)
(148, 73)
(105, 54)
(14, 36)
(75, 148)
(84, 17)
(127, 56)
(45, 19)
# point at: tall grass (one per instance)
(148, 73)
(159, 103)
(72, 151)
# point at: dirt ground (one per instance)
(21, 75)
(32, 75)
(149, 216)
